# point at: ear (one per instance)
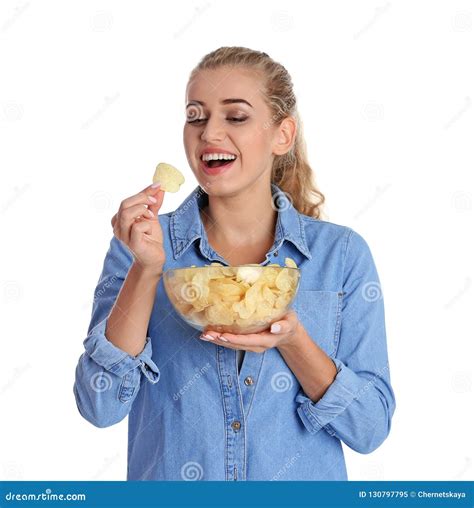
(285, 136)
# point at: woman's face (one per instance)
(226, 114)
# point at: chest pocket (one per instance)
(320, 314)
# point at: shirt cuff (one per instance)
(316, 415)
(117, 361)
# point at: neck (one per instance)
(245, 218)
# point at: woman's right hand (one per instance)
(136, 225)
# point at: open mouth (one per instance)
(214, 161)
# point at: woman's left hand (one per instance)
(282, 332)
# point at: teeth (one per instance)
(217, 156)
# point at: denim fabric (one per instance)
(193, 416)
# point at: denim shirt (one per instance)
(193, 416)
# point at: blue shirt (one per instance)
(193, 416)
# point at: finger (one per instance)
(212, 336)
(286, 324)
(155, 207)
(251, 340)
(127, 217)
(138, 229)
(228, 345)
(136, 211)
(216, 340)
(156, 231)
(235, 347)
(146, 196)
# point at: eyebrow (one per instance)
(224, 101)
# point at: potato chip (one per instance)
(170, 178)
(219, 315)
(243, 311)
(268, 295)
(241, 299)
(249, 274)
(283, 281)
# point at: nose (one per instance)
(213, 131)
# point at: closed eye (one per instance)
(233, 119)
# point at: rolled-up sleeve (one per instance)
(359, 404)
(107, 378)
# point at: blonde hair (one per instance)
(291, 171)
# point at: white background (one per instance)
(92, 97)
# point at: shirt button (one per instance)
(235, 425)
(248, 381)
(275, 253)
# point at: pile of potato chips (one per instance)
(240, 299)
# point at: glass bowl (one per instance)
(235, 299)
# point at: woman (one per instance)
(272, 405)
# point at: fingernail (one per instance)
(206, 337)
(152, 199)
(223, 338)
(151, 214)
(275, 328)
(155, 185)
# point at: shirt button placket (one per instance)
(234, 416)
(236, 425)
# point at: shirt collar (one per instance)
(186, 225)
